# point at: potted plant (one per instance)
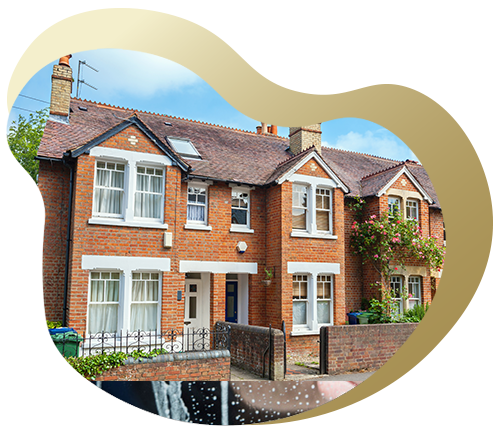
(269, 276)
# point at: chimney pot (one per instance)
(274, 130)
(259, 129)
(64, 61)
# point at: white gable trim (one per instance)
(286, 176)
(405, 170)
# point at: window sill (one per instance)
(309, 235)
(303, 332)
(198, 227)
(121, 222)
(241, 229)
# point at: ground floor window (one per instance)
(144, 304)
(312, 301)
(414, 290)
(104, 302)
(397, 290)
(119, 303)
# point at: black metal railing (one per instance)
(169, 341)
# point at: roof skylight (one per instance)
(184, 147)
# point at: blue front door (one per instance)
(232, 302)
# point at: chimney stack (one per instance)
(302, 138)
(62, 82)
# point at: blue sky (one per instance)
(168, 88)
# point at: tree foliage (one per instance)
(24, 138)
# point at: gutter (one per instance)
(68, 236)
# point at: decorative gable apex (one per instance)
(128, 122)
(412, 179)
(301, 160)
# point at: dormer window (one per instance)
(184, 147)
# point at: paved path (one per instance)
(296, 372)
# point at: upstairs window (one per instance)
(149, 193)
(394, 206)
(412, 209)
(240, 208)
(197, 204)
(109, 189)
(323, 210)
(299, 207)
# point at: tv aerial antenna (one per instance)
(80, 77)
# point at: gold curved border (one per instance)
(431, 133)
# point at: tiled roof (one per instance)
(226, 154)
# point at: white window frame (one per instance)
(161, 193)
(97, 168)
(244, 190)
(311, 184)
(397, 286)
(392, 203)
(118, 303)
(329, 278)
(313, 271)
(412, 281)
(198, 225)
(131, 160)
(158, 302)
(411, 204)
(304, 189)
(306, 300)
(329, 210)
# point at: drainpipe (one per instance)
(68, 237)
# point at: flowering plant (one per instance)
(389, 241)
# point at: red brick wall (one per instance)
(248, 350)
(185, 367)
(53, 183)
(355, 347)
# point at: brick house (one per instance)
(155, 221)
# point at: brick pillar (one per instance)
(217, 298)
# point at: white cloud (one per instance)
(379, 143)
(134, 73)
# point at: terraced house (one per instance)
(154, 222)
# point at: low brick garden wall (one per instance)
(248, 347)
(355, 347)
(189, 366)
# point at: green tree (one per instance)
(24, 138)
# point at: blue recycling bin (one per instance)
(353, 318)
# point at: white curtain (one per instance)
(148, 196)
(144, 308)
(103, 307)
(109, 192)
(196, 213)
